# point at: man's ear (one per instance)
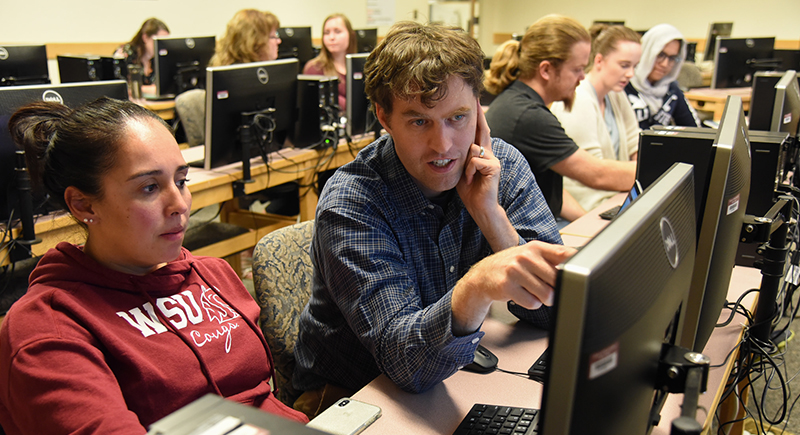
(546, 70)
(383, 117)
(79, 204)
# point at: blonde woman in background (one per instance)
(602, 121)
(251, 36)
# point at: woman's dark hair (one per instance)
(150, 27)
(73, 147)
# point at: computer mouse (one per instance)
(484, 361)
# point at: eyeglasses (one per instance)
(663, 56)
(275, 36)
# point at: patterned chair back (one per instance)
(282, 274)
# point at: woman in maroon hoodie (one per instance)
(117, 333)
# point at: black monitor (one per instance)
(296, 44)
(269, 87)
(786, 107)
(722, 174)
(366, 40)
(89, 68)
(12, 98)
(787, 59)
(738, 59)
(617, 311)
(180, 63)
(762, 99)
(360, 118)
(23, 65)
(609, 22)
(715, 30)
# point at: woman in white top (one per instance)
(602, 121)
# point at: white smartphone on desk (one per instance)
(346, 417)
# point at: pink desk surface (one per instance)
(517, 345)
(590, 224)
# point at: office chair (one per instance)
(282, 274)
(190, 106)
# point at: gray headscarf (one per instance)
(653, 42)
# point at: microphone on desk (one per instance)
(25, 204)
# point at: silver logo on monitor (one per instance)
(263, 75)
(3, 53)
(289, 32)
(190, 42)
(52, 96)
(670, 242)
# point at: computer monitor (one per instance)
(269, 87)
(360, 118)
(617, 309)
(609, 22)
(738, 59)
(12, 98)
(722, 185)
(762, 100)
(715, 30)
(787, 59)
(89, 68)
(23, 65)
(366, 40)
(296, 44)
(180, 63)
(786, 108)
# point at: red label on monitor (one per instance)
(222, 95)
(603, 361)
(733, 204)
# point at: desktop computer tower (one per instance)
(317, 111)
(766, 151)
(89, 68)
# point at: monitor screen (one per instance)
(180, 63)
(360, 118)
(12, 98)
(296, 44)
(233, 90)
(738, 59)
(23, 65)
(786, 107)
(366, 40)
(787, 59)
(618, 302)
(722, 169)
(88, 68)
(715, 30)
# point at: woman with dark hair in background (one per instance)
(338, 40)
(119, 332)
(140, 51)
(250, 36)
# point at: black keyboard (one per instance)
(490, 419)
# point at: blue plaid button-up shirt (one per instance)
(385, 262)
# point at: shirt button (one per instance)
(452, 269)
(475, 340)
(431, 206)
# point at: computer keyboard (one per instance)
(491, 419)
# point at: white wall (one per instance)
(777, 18)
(42, 21)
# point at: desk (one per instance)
(216, 187)
(713, 100)
(163, 108)
(517, 345)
